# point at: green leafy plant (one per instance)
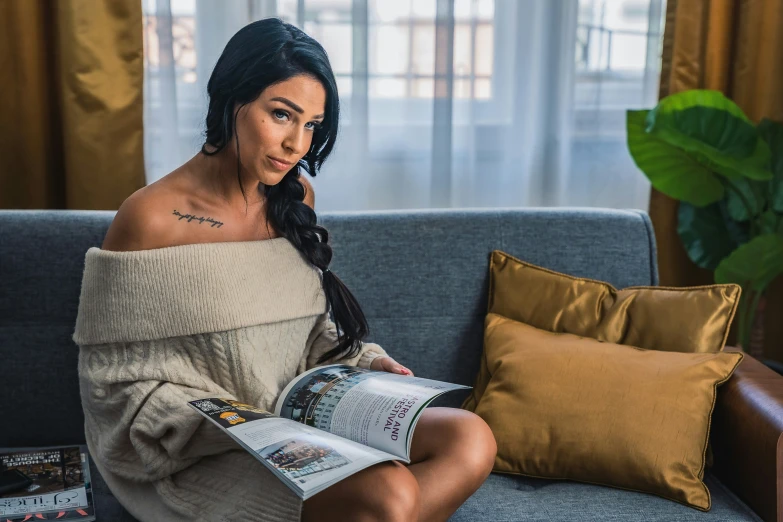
(700, 148)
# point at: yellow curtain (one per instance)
(71, 102)
(734, 46)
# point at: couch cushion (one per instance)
(514, 499)
(505, 498)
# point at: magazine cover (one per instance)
(51, 483)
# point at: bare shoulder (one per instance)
(142, 222)
(167, 214)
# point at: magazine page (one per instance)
(376, 409)
(43, 483)
(307, 460)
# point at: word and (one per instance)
(398, 412)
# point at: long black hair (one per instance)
(260, 54)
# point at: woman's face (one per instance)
(276, 130)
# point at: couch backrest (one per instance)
(420, 276)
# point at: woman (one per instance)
(214, 281)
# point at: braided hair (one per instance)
(260, 54)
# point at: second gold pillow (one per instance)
(694, 320)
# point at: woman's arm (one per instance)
(137, 417)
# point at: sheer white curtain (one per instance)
(446, 103)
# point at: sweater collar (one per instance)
(196, 288)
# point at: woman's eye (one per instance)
(314, 125)
(280, 114)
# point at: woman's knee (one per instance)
(386, 492)
(479, 446)
(392, 494)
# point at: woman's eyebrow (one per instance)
(294, 106)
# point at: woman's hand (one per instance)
(387, 364)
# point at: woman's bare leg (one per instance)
(385, 492)
(452, 454)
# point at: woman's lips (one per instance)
(279, 164)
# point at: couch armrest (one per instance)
(747, 437)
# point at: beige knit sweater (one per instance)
(158, 328)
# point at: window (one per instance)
(498, 91)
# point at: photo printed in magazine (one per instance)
(307, 460)
(376, 409)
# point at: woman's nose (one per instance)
(295, 141)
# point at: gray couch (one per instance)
(422, 279)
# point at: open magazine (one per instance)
(329, 423)
(45, 483)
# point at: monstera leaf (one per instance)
(670, 169)
(708, 234)
(755, 264)
(746, 198)
(771, 223)
(713, 131)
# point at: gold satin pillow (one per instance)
(694, 320)
(566, 407)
